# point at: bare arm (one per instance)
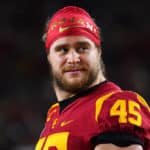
(114, 147)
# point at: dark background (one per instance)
(26, 94)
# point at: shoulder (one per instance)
(52, 110)
(53, 107)
(124, 107)
(124, 95)
(129, 97)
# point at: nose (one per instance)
(73, 57)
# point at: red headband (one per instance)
(71, 20)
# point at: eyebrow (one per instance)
(82, 43)
(75, 44)
(61, 45)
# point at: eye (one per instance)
(62, 50)
(82, 49)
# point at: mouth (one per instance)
(74, 71)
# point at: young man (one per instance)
(91, 113)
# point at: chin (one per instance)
(77, 83)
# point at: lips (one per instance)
(74, 69)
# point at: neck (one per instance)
(62, 94)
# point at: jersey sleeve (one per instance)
(124, 112)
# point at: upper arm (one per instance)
(124, 108)
(124, 112)
(114, 147)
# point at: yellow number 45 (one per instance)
(127, 111)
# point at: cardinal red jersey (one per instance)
(103, 108)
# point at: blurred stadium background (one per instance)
(26, 94)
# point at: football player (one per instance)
(91, 112)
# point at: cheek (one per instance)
(93, 60)
(56, 63)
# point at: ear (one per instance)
(49, 57)
(99, 50)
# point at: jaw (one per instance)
(74, 85)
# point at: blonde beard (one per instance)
(76, 84)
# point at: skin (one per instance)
(75, 65)
(114, 147)
(74, 62)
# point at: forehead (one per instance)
(71, 40)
